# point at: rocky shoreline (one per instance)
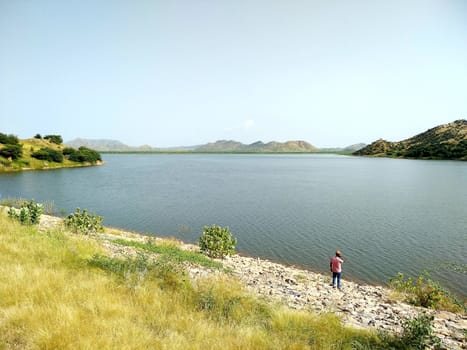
(358, 305)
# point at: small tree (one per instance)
(38, 136)
(14, 151)
(69, 151)
(418, 332)
(48, 154)
(89, 154)
(8, 139)
(54, 139)
(82, 154)
(217, 242)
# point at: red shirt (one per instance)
(336, 264)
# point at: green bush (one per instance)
(83, 154)
(418, 333)
(217, 242)
(68, 151)
(89, 155)
(83, 222)
(426, 293)
(54, 139)
(48, 154)
(14, 151)
(8, 139)
(29, 213)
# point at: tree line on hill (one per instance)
(13, 149)
(448, 141)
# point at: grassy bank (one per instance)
(28, 162)
(61, 291)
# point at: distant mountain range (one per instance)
(221, 146)
(103, 145)
(259, 146)
(447, 141)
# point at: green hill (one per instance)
(447, 141)
(42, 153)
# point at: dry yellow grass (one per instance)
(51, 298)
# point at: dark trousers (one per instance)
(336, 275)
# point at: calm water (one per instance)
(386, 215)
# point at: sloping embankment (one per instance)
(358, 305)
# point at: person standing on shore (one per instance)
(336, 269)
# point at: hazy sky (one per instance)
(173, 72)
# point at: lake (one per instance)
(386, 215)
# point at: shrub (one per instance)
(217, 242)
(54, 139)
(38, 136)
(69, 151)
(48, 154)
(29, 213)
(89, 155)
(83, 222)
(426, 293)
(14, 151)
(418, 333)
(83, 154)
(8, 139)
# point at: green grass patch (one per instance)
(173, 253)
(140, 269)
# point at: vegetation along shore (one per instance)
(72, 283)
(41, 153)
